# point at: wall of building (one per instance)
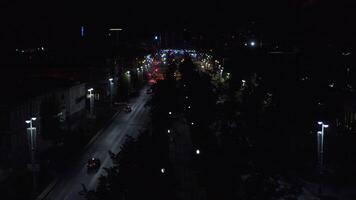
(13, 140)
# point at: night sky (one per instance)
(26, 21)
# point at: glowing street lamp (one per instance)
(197, 151)
(32, 135)
(91, 99)
(243, 83)
(320, 140)
(111, 83)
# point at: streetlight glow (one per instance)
(197, 151)
(28, 121)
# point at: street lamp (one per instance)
(163, 170)
(111, 84)
(32, 132)
(197, 151)
(168, 131)
(170, 113)
(91, 98)
(243, 83)
(320, 141)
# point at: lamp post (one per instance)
(128, 76)
(31, 131)
(111, 84)
(320, 141)
(91, 98)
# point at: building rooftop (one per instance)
(27, 88)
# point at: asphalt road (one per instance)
(69, 185)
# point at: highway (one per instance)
(69, 184)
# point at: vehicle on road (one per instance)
(149, 91)
(127, 109)
(93, 164)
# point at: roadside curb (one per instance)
(51, 186)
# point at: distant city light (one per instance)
(168, 131)
(156, 37)
(169, 113)
(197, 151)
(82, 31)
(163, 170)
(252, 44)
(115, 29)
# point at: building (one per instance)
(58, 105)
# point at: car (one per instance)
(127, 109)
(93, 164)
(149, 91)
